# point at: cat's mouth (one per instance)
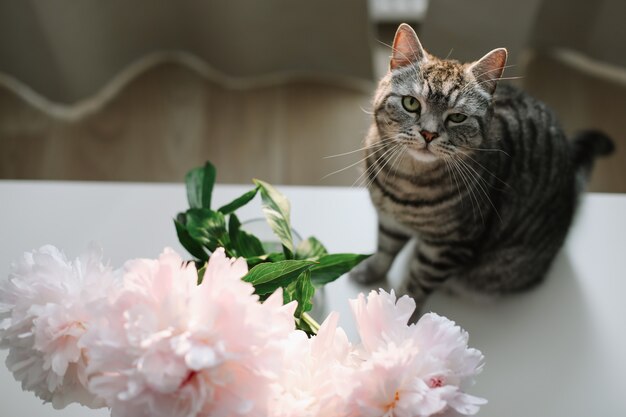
(424, 154)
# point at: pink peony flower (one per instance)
(410, 370)
(169, 347)
(149, 341)
(382, 319)
(317, 374)
(45, 309)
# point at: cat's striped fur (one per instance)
(490, 198)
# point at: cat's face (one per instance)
(435, 108)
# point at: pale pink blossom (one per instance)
(382, 319)
(45, 309)
(169, 347)
(149, 341)
(411, 370)
(317, 376)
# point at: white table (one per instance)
(555, 351)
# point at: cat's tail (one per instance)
(588, 145)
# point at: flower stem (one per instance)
(314, 325)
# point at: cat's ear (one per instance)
(406, 49)
(488, 69)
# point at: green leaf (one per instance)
(209, 228)
(200, 182)
(248, 245)
(270, 257)
(304, 292)
(201, 272)
(238, 202)
(331, 267)
(269, 276)
(275, 257)
(189, 243)
(244, 243)
(310, 248)
(276, 208)
(289, 292)
(253, 261)
(307, 324)
(305, 327)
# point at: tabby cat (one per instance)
(483, 178)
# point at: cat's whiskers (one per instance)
(449, 160)
(396, 149)
(486, 170)
(482, 185)
(399, 157)
(367, 181)
(356, 163)
(468, 185)
(452, 174)
(399, 147)
(387, 45)
(368, 112)
(365, 148)
(364, 177)
(478, 175)
(450, 164)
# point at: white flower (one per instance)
(45, 309)
(169, 347)
(411, 370)
(317, 374)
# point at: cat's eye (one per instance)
(457, 117)
(411, 104)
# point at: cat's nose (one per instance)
(429, 136)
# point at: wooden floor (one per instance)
(171, 119)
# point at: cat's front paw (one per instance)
(373, 269)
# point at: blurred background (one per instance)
(145, 90)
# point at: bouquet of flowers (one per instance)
(228, 333)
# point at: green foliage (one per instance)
(200, 182)
(304, 291)
(298, 270)
(238, 202)
(189, 243)
(208, 228)
(244, 243)
(276, 208)
(331, 267)
(269, 276)
(310, 248)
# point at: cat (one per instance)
(482, 177)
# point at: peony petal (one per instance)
(467, 404)
(202, 357)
